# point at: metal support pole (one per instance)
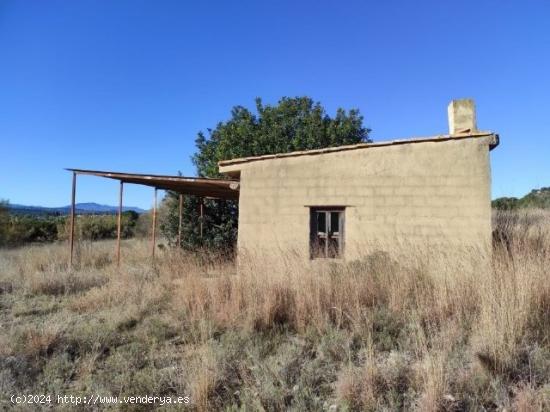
(180, 220)
(153, 234)
(119, 223)
(202, 215)
(73, 211)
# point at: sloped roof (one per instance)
(439, 138)
(196, 186)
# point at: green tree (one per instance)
(537, 198)
(292, 124)
(505, 203)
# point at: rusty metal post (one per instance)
(180, 220)
(73, 211)
(153, 234)
(119, 223)
(202, 215)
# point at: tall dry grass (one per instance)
(382, 332)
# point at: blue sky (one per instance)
(126, 85)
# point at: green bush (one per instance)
(28, 229)
(99, 227)
(4, 222)
(17, 230)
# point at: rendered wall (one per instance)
(425, 193)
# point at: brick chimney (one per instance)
(462, 116)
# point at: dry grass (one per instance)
(381, 333)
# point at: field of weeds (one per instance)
(376, 334)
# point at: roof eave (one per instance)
(232, 166)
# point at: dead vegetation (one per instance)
(376, 334)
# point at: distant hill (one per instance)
(537, 198)
(81, 209)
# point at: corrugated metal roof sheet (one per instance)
(197, 186)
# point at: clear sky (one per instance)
(126, 85)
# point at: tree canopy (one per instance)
(292, 124)
(536, 198)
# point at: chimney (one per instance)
(462, 116)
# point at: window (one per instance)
(326, 232)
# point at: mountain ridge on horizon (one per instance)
(81, 208)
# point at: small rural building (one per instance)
(349, 201)
(342, 202)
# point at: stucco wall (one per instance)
(426, 193)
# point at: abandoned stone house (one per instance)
(336, 203)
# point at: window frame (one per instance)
(314, 233)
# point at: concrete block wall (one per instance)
(425, 193)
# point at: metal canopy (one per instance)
(197, 186)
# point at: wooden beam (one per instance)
(153, 234)
(119, 223)
(180, 220)
(73, 211)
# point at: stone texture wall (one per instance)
(425, 193)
